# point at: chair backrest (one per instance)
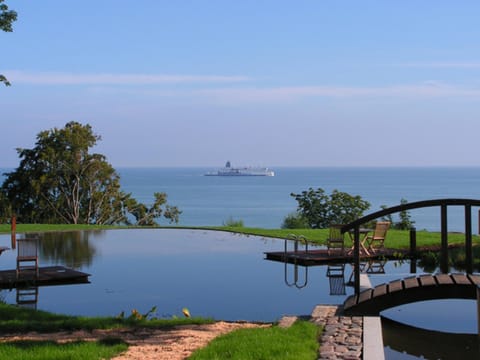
(27, 247)
(335, 232)
(381, 229)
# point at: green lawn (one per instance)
(298, 342)
(16, 320)
(50, 350)
(397, 239)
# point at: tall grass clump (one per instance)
(231, 222)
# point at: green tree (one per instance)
(59, 181)
(7, 17)
(321, 210)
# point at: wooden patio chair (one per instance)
(377, 239)
(336, 279)
(27, 297)
(27, 257)
(335, 240)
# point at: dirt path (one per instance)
(147, 344)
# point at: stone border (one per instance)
(342, 335)
(345, 337)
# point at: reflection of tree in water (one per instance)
(430, 260)
(72, 249)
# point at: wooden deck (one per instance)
(418, 288)
(321, 257)
(51, 275)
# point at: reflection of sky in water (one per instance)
(214, 274)
(453, 315)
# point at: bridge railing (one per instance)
(354, 227)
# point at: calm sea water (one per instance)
(265, 201)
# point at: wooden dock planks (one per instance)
(51, 275)
(321, 256)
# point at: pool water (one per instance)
(214, 274)
(223, 276)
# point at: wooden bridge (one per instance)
(412, 289)
(443, 204)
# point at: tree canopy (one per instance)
(320, 210)
(7, 17)
(60, 181)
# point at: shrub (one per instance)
(231, 222)
(295, 221)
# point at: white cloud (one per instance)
(59, 78)
(426, 90)
(234, 95)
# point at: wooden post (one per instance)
(413, 250)
(356, 258)
(444, 238)
(413, 242)
(13, 224)
(468, 239)
(13, 228)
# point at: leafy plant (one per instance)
(295, 221)
(405, 223)
(7, 18)
(136, 315)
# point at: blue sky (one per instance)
(274, 83)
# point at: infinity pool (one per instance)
(219, 275)
(213, 274)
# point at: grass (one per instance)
(21, 320)
(15, 319)
(298, 342)
(51, 350)
(396, 239)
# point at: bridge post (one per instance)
(356, 258)
(444, 239)
(413, 250)
(468, 239)
(413, 242)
